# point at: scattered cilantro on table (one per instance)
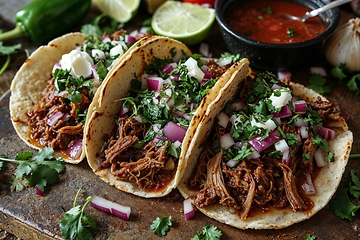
(76, 225)
(344, 75)
(161, 225)
(341, 205)
(7, 51)
(35, 171)
(310, 237)
(208, 233)
(318, 84)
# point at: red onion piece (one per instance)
(226, 141)
(110, 207)
(308, 185)
(188, 209)
(275, 87)
(222, 119)
(207, 73)
(282, 74)
(260, 146)
(318, 70)
(53, 119)
(281, 146)
(154, 83)
(168, 67)
(255, 154)
(123, 110)
(304, 132)
(324, 132)
(98, 52)
(238, 105)
(320, 156)
(74, 151)
(300, 122)
(175, 77)
(130, 39)
(38, 191)
(286, 157)
(174, 132)
(284, 112)
(299, 106)
(106, 39)
(232, 163)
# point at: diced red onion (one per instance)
(170, 102)
(299, 106)
(281, 146)
(207, 73)
(174, 132)
(154, 83)
(238, 105)
(175, 77)
(275, 87)
(123, 110)
(286, 157)
(318, 70)
(282, 74)
(224, 61)
(188, 209)
(300, 122)
(98, 52)
(284, 112)
(130, 39)
(278, 120)
(53, 119)
(324, 132)
(177, 144)
(158, 138)
(38, 191)
(204, 49)
(138, 118)
(168, 67)
(226, 141)
(56, 66)
(66, 117)
(255, 154)
(308, 185)
(110, 207)
(95, 76)
(106, 39)
(320, 156)
(260, 145)
(74, 151)
(232, 163)
(187, 116)
(304, 132)
(222, 119)
(238, 144)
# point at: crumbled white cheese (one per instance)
(79, 63)
(194, 70)
(280, 97)
(269, 124)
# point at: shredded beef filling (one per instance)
(257, 183)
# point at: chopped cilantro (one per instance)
(318, 84)
(310, 237)
(40, 170)
(7, 51)
(208, 233)
(291, 33)
(341, 205)
(344, 75)
(234, 57)
(161, 225)
(75, 224)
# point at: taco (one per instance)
(147, 112)
(52, 90)
(272, 157)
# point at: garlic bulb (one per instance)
(343, 46)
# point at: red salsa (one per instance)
(263, 21)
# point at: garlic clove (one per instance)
(343, 45)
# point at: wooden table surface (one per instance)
(31, 217)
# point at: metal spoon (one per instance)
(315, 12)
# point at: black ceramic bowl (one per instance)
(271, 56)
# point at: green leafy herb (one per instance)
(7, 51)
(344, 75)
(75, 224)
(208, 233)
(40, 170)
(341, 205)
(161, 225)
(234, 57)
(310, 237)
(318, 84)
(291, 33)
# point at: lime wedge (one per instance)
(186, 22)
(121, 10)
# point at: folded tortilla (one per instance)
(105, 108)
(31, 81)
(326, 181)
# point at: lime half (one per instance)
(186, 22)
(121, 10)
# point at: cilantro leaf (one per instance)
(310, 237)
(318, 84)
(7, 50)
(208, 233)
(161, 225)
(342, 206)
(39, 170)
(344, 75)
(354, 185)
(75, 224)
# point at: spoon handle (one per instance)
(331, 5)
